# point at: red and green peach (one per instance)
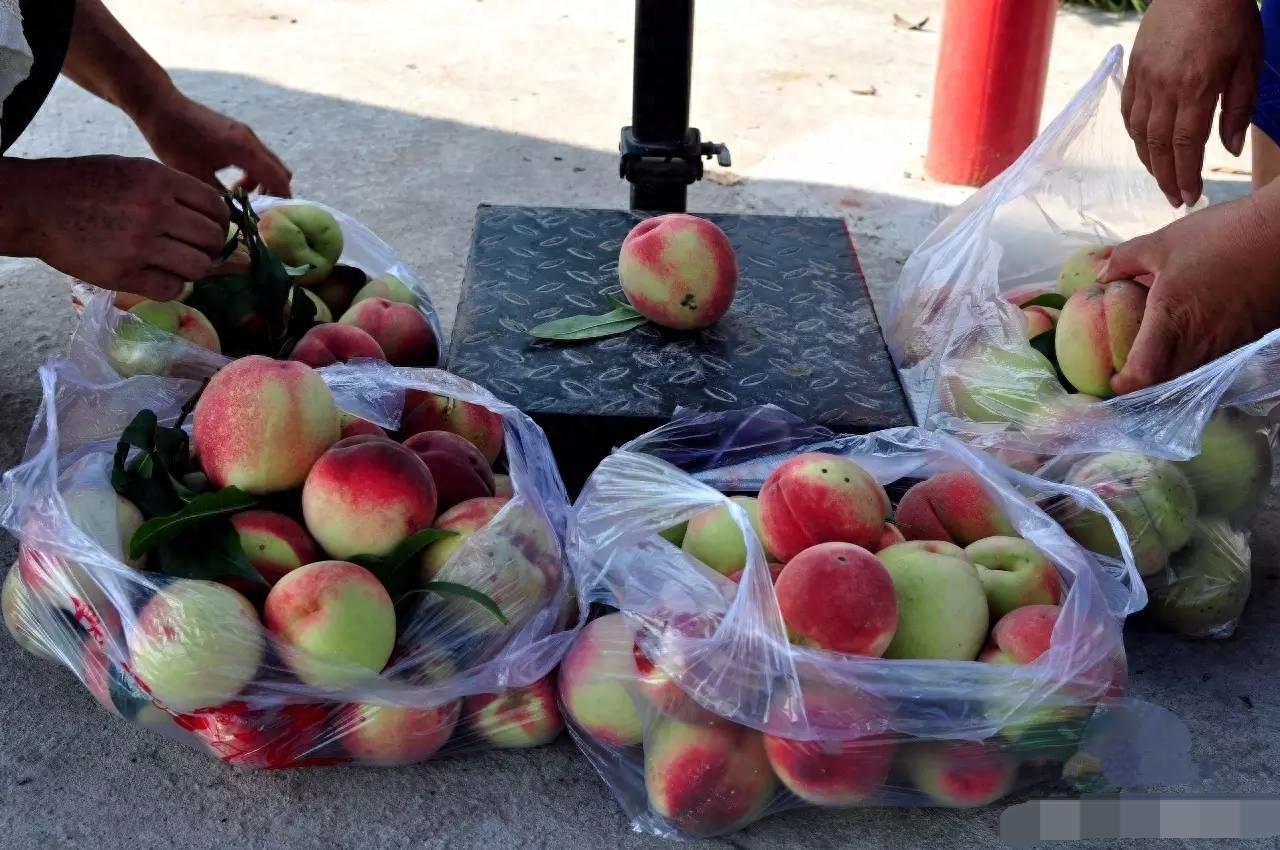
(942, 610)
(325, 345)
(386, 286)
(274, 543)
(714, 538)
(137, 347)
(1083, 268)
(1095, 333)
(428, 412)
(457, 467)
(961, 774)
(679, 271)
(387, 735)
(817, 498)
(522, 717)
(838, 596)
(400, 329)
(953, 507)
(597, 679)
(1014, 573)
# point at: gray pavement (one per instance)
(407, 115)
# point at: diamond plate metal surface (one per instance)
(801, 334)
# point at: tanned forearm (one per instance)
(105, 60)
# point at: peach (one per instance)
(339, 289)
(1082, 268)
(271, 738)
(1020, 295)
(303, 235)
(1204, 591)
(714, 538)
(942, 610)
(139, 346)
(775, 570)
(458, 468)
(1150, 496)
(354, 426)
(656, 686)
(1000, 385)
(325, 345)
(118, 692)
(274, 543)
(427, 412)
(954, 507)
(523, 717)
(17, 607)
(1040, 320)
(1024, 634)
(596, 681)
(838, 596)
(336, 620)
(403, 332)
(385, 735)
(367, 495)
(707, 778)
(1014, 573)
(261, 424)
(1232, 472)
(386, 286)
(890, 536)
(1095, 333)
(817, 498)
(961, 774)
(195, 644)
(844, 772)
(463, 519)
(679, 271)
(502, 487)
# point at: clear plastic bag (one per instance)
(128, 345)
(703, 715)
(970, 332)
(378, 681)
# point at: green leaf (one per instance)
(211, 552)
(461, 591)
(389, 568)
(574, 328)
(143, 481)
(1052, 300)
(302, 318)
(200, 509)
(618, 304)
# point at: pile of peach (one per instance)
(357, 316)
(943, 577)
(269, 676)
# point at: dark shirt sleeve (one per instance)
(47, 27)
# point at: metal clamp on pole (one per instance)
(661, 154)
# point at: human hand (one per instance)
(195, 140)
(130, 225)
(1214, 280)
(1187, 55)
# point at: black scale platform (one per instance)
(802, 332)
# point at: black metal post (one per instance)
(661, 153)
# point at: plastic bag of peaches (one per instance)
(250, 574)
(297, 279)
(800, 618)
(1003, 337)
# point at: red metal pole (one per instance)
(990, 87)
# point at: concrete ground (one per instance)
(407, 115)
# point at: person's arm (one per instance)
(1188, 55)
(1214, 280)
(106, 61)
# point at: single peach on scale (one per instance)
(679, 271)
(817, 498)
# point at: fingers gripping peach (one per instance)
(1096, 332)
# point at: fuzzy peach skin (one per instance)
(386, 286)
(890, 536)
(337, 619)
(366, 495)
(458, 468)
(403, 332)
(960, 774)
(386, 736)
(1095, 333)
(135, 349)
(463, 519)
(274, 543)
(951, 506)
(714, 538)
(597, 678)
(707, 778)
(428, 412)
(273, 738)
(195, 644)
(354, 426)
(325, 345)
(1040, 320)
(678, 271)
(842, 772)
(838, 596)
(1082, 268)
(1024, 634)
(817, 498)
(942, 610)
(523, 717)
(1150, 496)
(1014, 573)
(303, 235)
(261, 424)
